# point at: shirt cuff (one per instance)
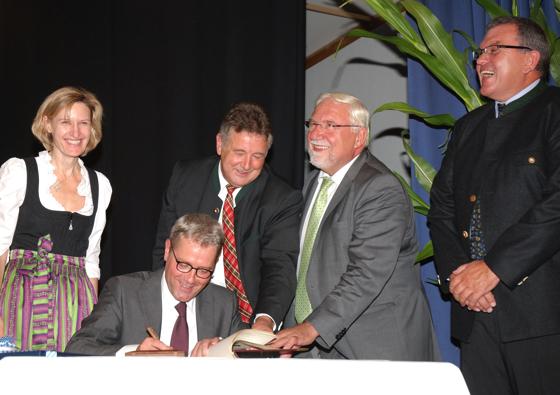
(266, 315)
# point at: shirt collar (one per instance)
(340, 173)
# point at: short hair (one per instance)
(359, 114)
(64, 98)
(529, 34)
(200, 228)
(249, 117)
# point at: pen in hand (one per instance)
(152, 332)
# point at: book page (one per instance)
(255, 338)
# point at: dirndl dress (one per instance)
(46, 293)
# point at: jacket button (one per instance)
(216, 210)
(472, 198)
(465, 234)
(531, 160)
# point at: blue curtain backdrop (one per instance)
(426, 93)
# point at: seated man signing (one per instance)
(133, 302)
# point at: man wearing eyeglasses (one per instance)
(495, 218)
(359, 294)
(259, 211)
(131, 303)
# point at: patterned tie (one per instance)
(231, 266)
(501, 109)
(303, 305)
(180, 334)
(477, 246)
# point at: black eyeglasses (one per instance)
(495, 48)
(185, 267)
(327, 125)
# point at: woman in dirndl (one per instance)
(52, 215)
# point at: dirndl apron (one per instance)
(46, 293)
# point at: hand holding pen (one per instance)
(152, 342)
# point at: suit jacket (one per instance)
(365, 290)
(130, 303)
(512, 166)
(267, 216)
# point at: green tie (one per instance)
(303, 305)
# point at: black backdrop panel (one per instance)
(166, 72)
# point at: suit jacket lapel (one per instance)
(345, 185)
(150, 299)
(205, 314)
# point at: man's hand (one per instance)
(297, 336)
(201, 348)
(263, 323)
(149, 343)
(471, 285)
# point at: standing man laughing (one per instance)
(495, 218)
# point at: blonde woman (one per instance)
(52, 215)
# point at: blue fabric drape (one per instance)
(427, 94)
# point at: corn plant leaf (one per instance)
(492, 8)
(423, 170)
(466, 93)
(439, 41)
(538, 16)
(434, 120)
(426, 253)
(514, 8)
(420, 206)
(390, 12)
(555, 62)
(468, 38)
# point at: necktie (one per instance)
(180, 334)
(501, 109)
(477, 246)
(302, 304)
(231, 265)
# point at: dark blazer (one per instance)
(512, 164)
(130, 303)
(364, 287)
(267, 217)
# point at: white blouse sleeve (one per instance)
(13, 182)
(94, 247)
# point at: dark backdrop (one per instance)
(166, 73)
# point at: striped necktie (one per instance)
(231, 265)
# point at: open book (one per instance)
(248, 343)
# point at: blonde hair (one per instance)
(64, 98)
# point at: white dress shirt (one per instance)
(13, 185)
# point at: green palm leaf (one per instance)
(493, 9)
(465, 92)
(434, 120)
(390, 12)
(438, 40)
(423, 170)
(555, 62)
(426, 253)
(420, 206)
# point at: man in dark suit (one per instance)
(495, 218)
(266, 212)
(131, 303)
(359, 294)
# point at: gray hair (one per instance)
(200, 228)
(359, 114)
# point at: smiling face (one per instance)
(508, 71)
(329, 150)
(70, 130)
(185, 286)
(242, 156)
